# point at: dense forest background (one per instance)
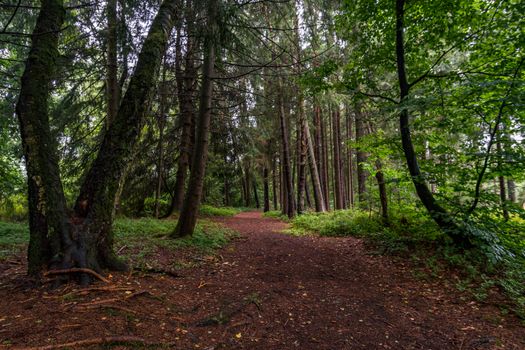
(401, 115)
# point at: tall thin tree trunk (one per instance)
(287, 173)
(325, 176)
(350, 170)
(188, 218)
(316, 182)
(512, 190)
(112, 84)
(438, 213)
(161, 122)
(501, 180)
(361, 157)
(301, 158)
(266, 187)
(185, 87)
(255, 194)
(337, 159)
(274, 178)
(383, 198)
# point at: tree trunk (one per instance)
(161, 122)
(94, 205)
(112, 84)
(287, 173)
(337, 159)
(274, 178)
(438, 213)
(325, 177)
(361, 157)
(350, 170)
(266, 189)
(512, 190)
(190, 208)
(185, 83)
(314, 174)
(383, 198)
(301, 157)
(49, 231)
(255, 194)
(501, 180)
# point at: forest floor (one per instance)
(264, 290)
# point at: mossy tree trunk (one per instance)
(84, 239)
(94, 205)
(49, 231)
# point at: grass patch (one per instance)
(208, 210)
(13, 237)
(140, 238)
(277, 214)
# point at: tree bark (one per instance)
(94, 205)
(266, 187)
(316, 182)
(274, 180)
(190, 208)
(161, 122)
(361, 157)
(255, 194)
(301, 157)
(337, 159)
(350, 170)
(325, 175)
(185, 84)
(49, 231)
(383, 198)
(287, 173)
(112, 84)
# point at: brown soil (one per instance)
(265, 290)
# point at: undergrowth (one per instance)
(208, 210)
(415, 236)
(141, 239)
(276, 214)
(13, 237)
(136, 238)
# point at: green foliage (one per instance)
(277, 214)
(208, 210)
(141, 237)
(13, 208)
(148, 233)
(12, 238)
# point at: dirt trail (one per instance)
(268, 290)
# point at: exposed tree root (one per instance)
(93, 341)
(77, 270)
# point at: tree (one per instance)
(83, 239)
(188, 217)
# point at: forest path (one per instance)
(265, 290)
(331, 293)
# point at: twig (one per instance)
(77, 270)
